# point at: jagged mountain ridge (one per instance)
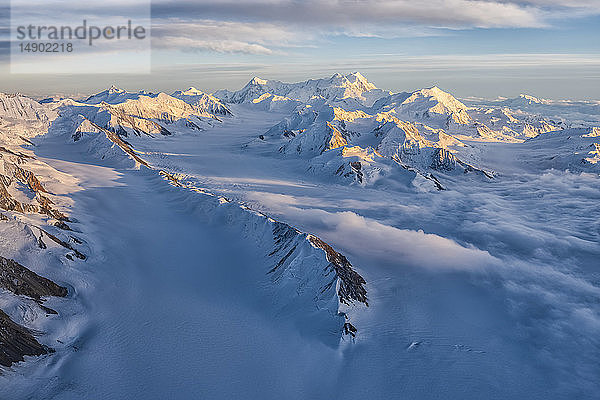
(203, 101)
(159, 114)
(329, 113)
(367, 140)
(321, 278)
(432, 106)
(310, 287)
(19, 107)
(287, 243)
(336, 88)
(34, 230)
(115, 95)
(204, 104)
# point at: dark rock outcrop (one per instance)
(14, 173)
(16, 342)
(21, 281)
(351, 283)
(351, 287)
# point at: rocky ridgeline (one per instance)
(21, 192)
(306, 274)
(297, 262)
(14, 178)
(16, 341)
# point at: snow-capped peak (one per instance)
(358, 79)
(336, 88)
(525, 100)
(258, 81)
(115, 95)
(531, 99)
(114, 89)
(203, 101)
(431, 105)
(192, 91)
(434, 93)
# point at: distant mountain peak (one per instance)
(531, 99)
(438, 94)
(258, 81)
(191, 91)
(357, 79)
(203, 101)
(524, 100)
(433, 90)
(431, 105)
(114, 89)
(352, 88)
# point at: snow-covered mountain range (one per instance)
(327, 230)
(338, 88)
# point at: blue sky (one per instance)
(548, 48)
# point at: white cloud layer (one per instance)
(223, 36)
(260, 26)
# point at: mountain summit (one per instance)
(431, 105)
(336, 88)
(114, 95)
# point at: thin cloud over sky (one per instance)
(224, 36)
(402, 44)
(261, 26)
(437, 13)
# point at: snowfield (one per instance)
(322, 239)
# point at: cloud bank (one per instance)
(260, 26)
